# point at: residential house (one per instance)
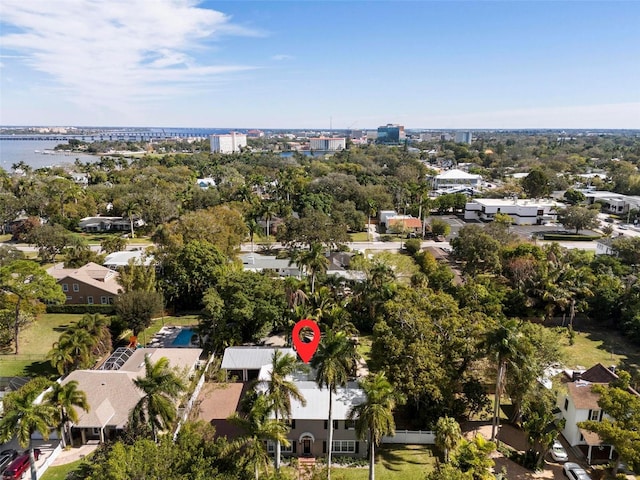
(309, 426)
(339, 267)
(87, 285)
(604, 246)
(117, 260)
(205, 183)
(245, 362)
(108, 224)
(255, 262)
(111, 393)
(391, 220)
(308, 435)
(580, 403)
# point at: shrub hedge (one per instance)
(93, 308)
(574, 238)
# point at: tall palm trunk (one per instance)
(495, 426)
(330, 434)
(32, 463)
(372, 458)
(277, 462)
(16, 322)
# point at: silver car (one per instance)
(575, 471)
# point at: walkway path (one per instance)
(73, 454)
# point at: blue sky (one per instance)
(306, 64)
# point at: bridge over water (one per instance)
(126, 136)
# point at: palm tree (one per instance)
(312, 261)
(374, 417)
(334, 362)
(258, 428)
(268, 212)
(448, 435)
(61, 358)
(65, 398)
(130, 209)
(161, 387)
(98, 327)
(502, 344)
(280, 390)
(22, 418)
(370, 213)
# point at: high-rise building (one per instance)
(327, 144)
(228, 143)
(464, 137)
(391, 133)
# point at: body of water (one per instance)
(184, 338)
(15, 151)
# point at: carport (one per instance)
(594, 450)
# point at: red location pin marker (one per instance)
(306, 350)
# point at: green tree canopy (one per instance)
(28, 283)
(578, 217)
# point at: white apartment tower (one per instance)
(228, 143)
(326, 144)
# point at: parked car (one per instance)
(16, 468)
(574, 471)
(6, 457)
(558, 453)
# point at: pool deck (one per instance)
(167, 335)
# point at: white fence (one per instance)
(49, 460)
(183, 413)
(412, 437)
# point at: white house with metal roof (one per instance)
(117, 260)
(308, 433)
(255, 262)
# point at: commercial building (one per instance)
(391, 133)
(228, 143)
(464, 137)
(455, 178)
(522, 212)
(327, 144)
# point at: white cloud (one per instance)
(117, 53)
(281, 57)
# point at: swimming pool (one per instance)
(184, 338)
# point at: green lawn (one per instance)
(96, 238)
(60, 472)
(360, 237)
(601, 346)
(35, 341)
(393, 462)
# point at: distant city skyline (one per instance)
(344, 64)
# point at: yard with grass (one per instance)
(607, 347)
(393, 462)
(60, 472)
(360, 237)
(35, 341)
